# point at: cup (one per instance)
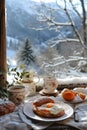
(17, 94)
(30, 88)
(30, 83)
(30, 77)
(50, 84)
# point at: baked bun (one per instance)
(46, 107)
(81, 95)
(40, 101)
(68, 94)
(6, 108)
(81, 92)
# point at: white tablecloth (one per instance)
(17, 121)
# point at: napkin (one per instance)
(81, 113)
(36, 125)
(12, 122)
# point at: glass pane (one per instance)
(47, 36)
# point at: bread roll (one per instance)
(7, 108)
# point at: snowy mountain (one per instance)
(23, 15)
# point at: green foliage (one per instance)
(25, 53)
(3, 92)
(18, 73)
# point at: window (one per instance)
(56, 33)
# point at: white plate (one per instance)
(82, 90)
(42, 92)
(27, 109)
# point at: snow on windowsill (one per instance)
(72, 80)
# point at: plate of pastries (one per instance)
(6, 107)
(75, 95)
(47, 109)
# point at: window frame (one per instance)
(2, 44)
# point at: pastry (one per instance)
(6, 108)
(81, 92)
(81, 95)
(46, 107)
(40, 101)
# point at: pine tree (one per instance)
(25, 53)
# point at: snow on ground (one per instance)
(66, 77)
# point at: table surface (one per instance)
(15, 119)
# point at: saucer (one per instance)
(43, 93)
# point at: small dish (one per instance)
(77, 99)
(80, 89)
(43, 93)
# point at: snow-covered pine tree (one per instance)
(25, 53)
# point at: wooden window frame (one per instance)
(2, 44)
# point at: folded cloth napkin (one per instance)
(36, 125)
(12, 121)
(16, 126)
(81, 112)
